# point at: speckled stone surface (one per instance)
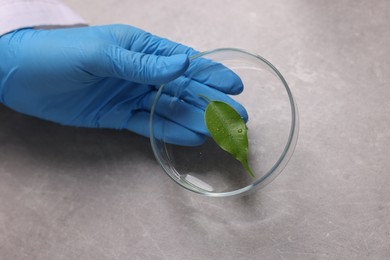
(68, 193)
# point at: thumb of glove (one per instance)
(138, 67)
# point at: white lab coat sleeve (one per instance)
(17, 14)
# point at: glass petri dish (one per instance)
(272, 126)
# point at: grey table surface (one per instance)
(68, 193)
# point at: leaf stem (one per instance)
(204, 97)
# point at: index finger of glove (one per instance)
(203, 70)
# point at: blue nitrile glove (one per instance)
(105, 77)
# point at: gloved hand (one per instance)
(107, 77)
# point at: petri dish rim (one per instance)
(279, 165)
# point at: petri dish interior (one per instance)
(272, 125)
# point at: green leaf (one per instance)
(228, 130)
